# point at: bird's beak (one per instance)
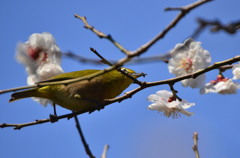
(136, 75)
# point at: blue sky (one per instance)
(128, 127)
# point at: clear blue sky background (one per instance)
(128, 127)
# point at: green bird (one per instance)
(82, 96)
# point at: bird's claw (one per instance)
(97, 107)
(53, 118)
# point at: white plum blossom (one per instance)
(39, 52)
(164, 101)
(221, 85)
(188, 58)
(236, 71)
(41, 57)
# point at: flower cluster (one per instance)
(187, 58)
(41, 57)
(164, 101)
(221, 85)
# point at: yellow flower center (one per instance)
(186, 63)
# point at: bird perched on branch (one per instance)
(81, 96)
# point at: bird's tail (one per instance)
(24, 94)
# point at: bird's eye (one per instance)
(124, 69)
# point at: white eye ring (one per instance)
(124, 69)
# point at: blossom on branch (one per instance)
(236, 71)
(221, 85)
(41, 57)
(164, 101)
(188, 58)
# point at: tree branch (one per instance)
(164, 58)
(216, 26)
(101, 34)
(17, 89)
(216, 65)
(184, 10)
(36, 122)
(86, 146)
(195, 144)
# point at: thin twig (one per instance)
(195, 145)
(36, 122)
(82, 59)
(174, 92)
(105, 61)
(156, 58)
(42, 84)
(17, 89)
(101, 34)
(86, 146)
(216, 26)
(105, 149)
(225, 67)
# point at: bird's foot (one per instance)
(98, 107)
(53, 118)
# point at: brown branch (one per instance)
(216, 65)
(86, 146)
(36, 122)
(103, 60)
(42, 84)
(195, 145)
(17, 89)
(216, 26)
(19, 126)
(101, 34)
(88, 77)
(174, 92)
(82, 59)
(225, 67)
(184, 10)
(164, 58)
